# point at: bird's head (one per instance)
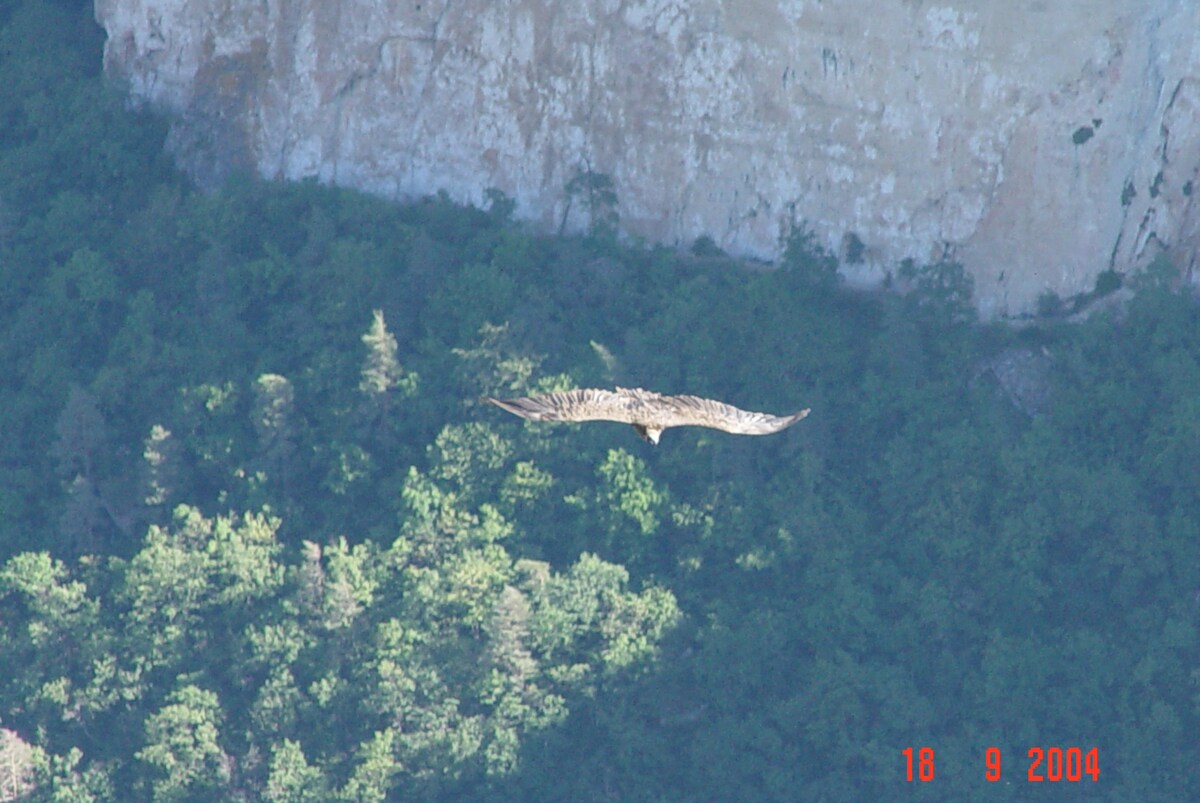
(649, 434)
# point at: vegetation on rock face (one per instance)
(259, 539)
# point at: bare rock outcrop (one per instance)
(1038, 143)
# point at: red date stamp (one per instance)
(1043, 765)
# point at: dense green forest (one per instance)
(260, 540)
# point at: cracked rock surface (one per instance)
(1038, 143)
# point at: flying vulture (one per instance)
(649, 412)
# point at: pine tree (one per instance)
(292, 778)
(17, 759)
(83, 521)
(82, 435)
(161, 467)
(383, 382)
(381, 372)
(275, 424)
(183, 746)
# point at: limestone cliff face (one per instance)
(1037, 142)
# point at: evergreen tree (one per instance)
(292, 779)
(162, 467)
(17, 764)
(183, 747)
(82, 436)
(382, 376)
(276, 425)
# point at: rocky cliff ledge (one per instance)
(1039, 143)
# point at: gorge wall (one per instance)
(1039, 143)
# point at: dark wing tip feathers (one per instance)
(510, 405)
(535, 408)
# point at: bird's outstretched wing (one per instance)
(587, 404)
(697, 412)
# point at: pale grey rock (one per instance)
(1037, 142)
